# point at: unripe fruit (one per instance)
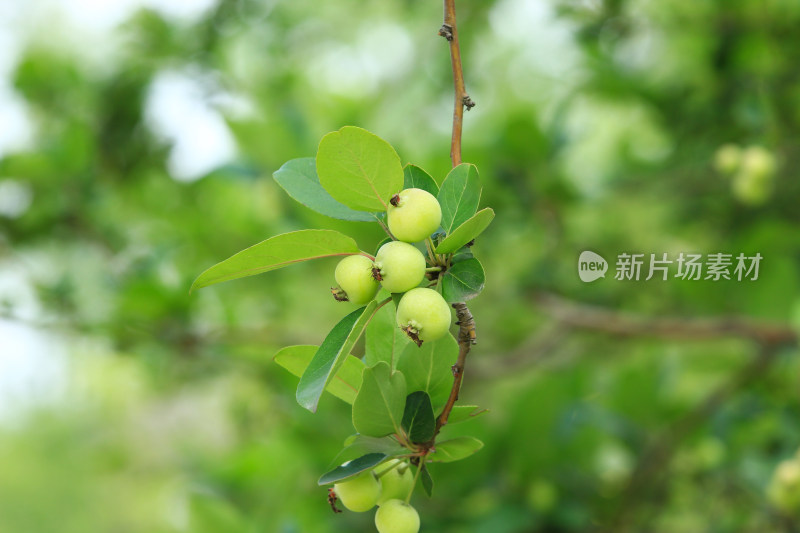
(751, 189)
(354, 275)
(423, 313)
(758, 162)
(396, 516)
(396, 482)
(784, 489)
(413, 214)
(727, 158)
(399, 266)
(359, 493)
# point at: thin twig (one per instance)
(466, 332)
(450, 32)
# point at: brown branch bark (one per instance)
(621, 324)
(466, 332)
(450, 32)
(466, 338)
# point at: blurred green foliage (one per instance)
(596, 128)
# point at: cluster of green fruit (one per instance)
(387, 486)
(424, 263)
(752, 169)
(784, 489)
(399, 267)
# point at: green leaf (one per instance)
(331, 356)
(279, 251)
(428, 368)
(413, 176)
(462, 254)
(463, 281)
(359, 169)
(384, 241)
(455, 449)
(299, 179)
(427, 480)
(459, 196)
(396, 297)
(387, 445)
(358, 445)
(418, 418)
(378, 409)
(384, 341)
(351, 468)
(345, 383)
(461, 413)
(466, 231)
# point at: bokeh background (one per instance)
(137, 142)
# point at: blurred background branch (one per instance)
(609, 321)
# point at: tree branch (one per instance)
(450, 32)
(466, 338)
(466, 332)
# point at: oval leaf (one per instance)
(463, 281)
(384, 341)
(461, 413)
(279, 251)
(358, 445)
(428, 368)
(459, 196)
(351, 468)
(331, 355)
(455, 449)
(466, 231)
(299, 179)
(345, 383)
(378, 409)
(359, 169)
(418, 418)
(427, 480)
(413, 176)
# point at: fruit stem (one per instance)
(386, 229)
(384, 472)
(414, 484)
(365, 254)
(430, 247)
(433, 269)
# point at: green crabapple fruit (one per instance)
(784, 488)
(727, 158)
(423, 314)
(396, 516)
(751, 189)
(399, 266)
(359, 493)
(758, 162)
(396, 480)
(354, 275)
(413, 214)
